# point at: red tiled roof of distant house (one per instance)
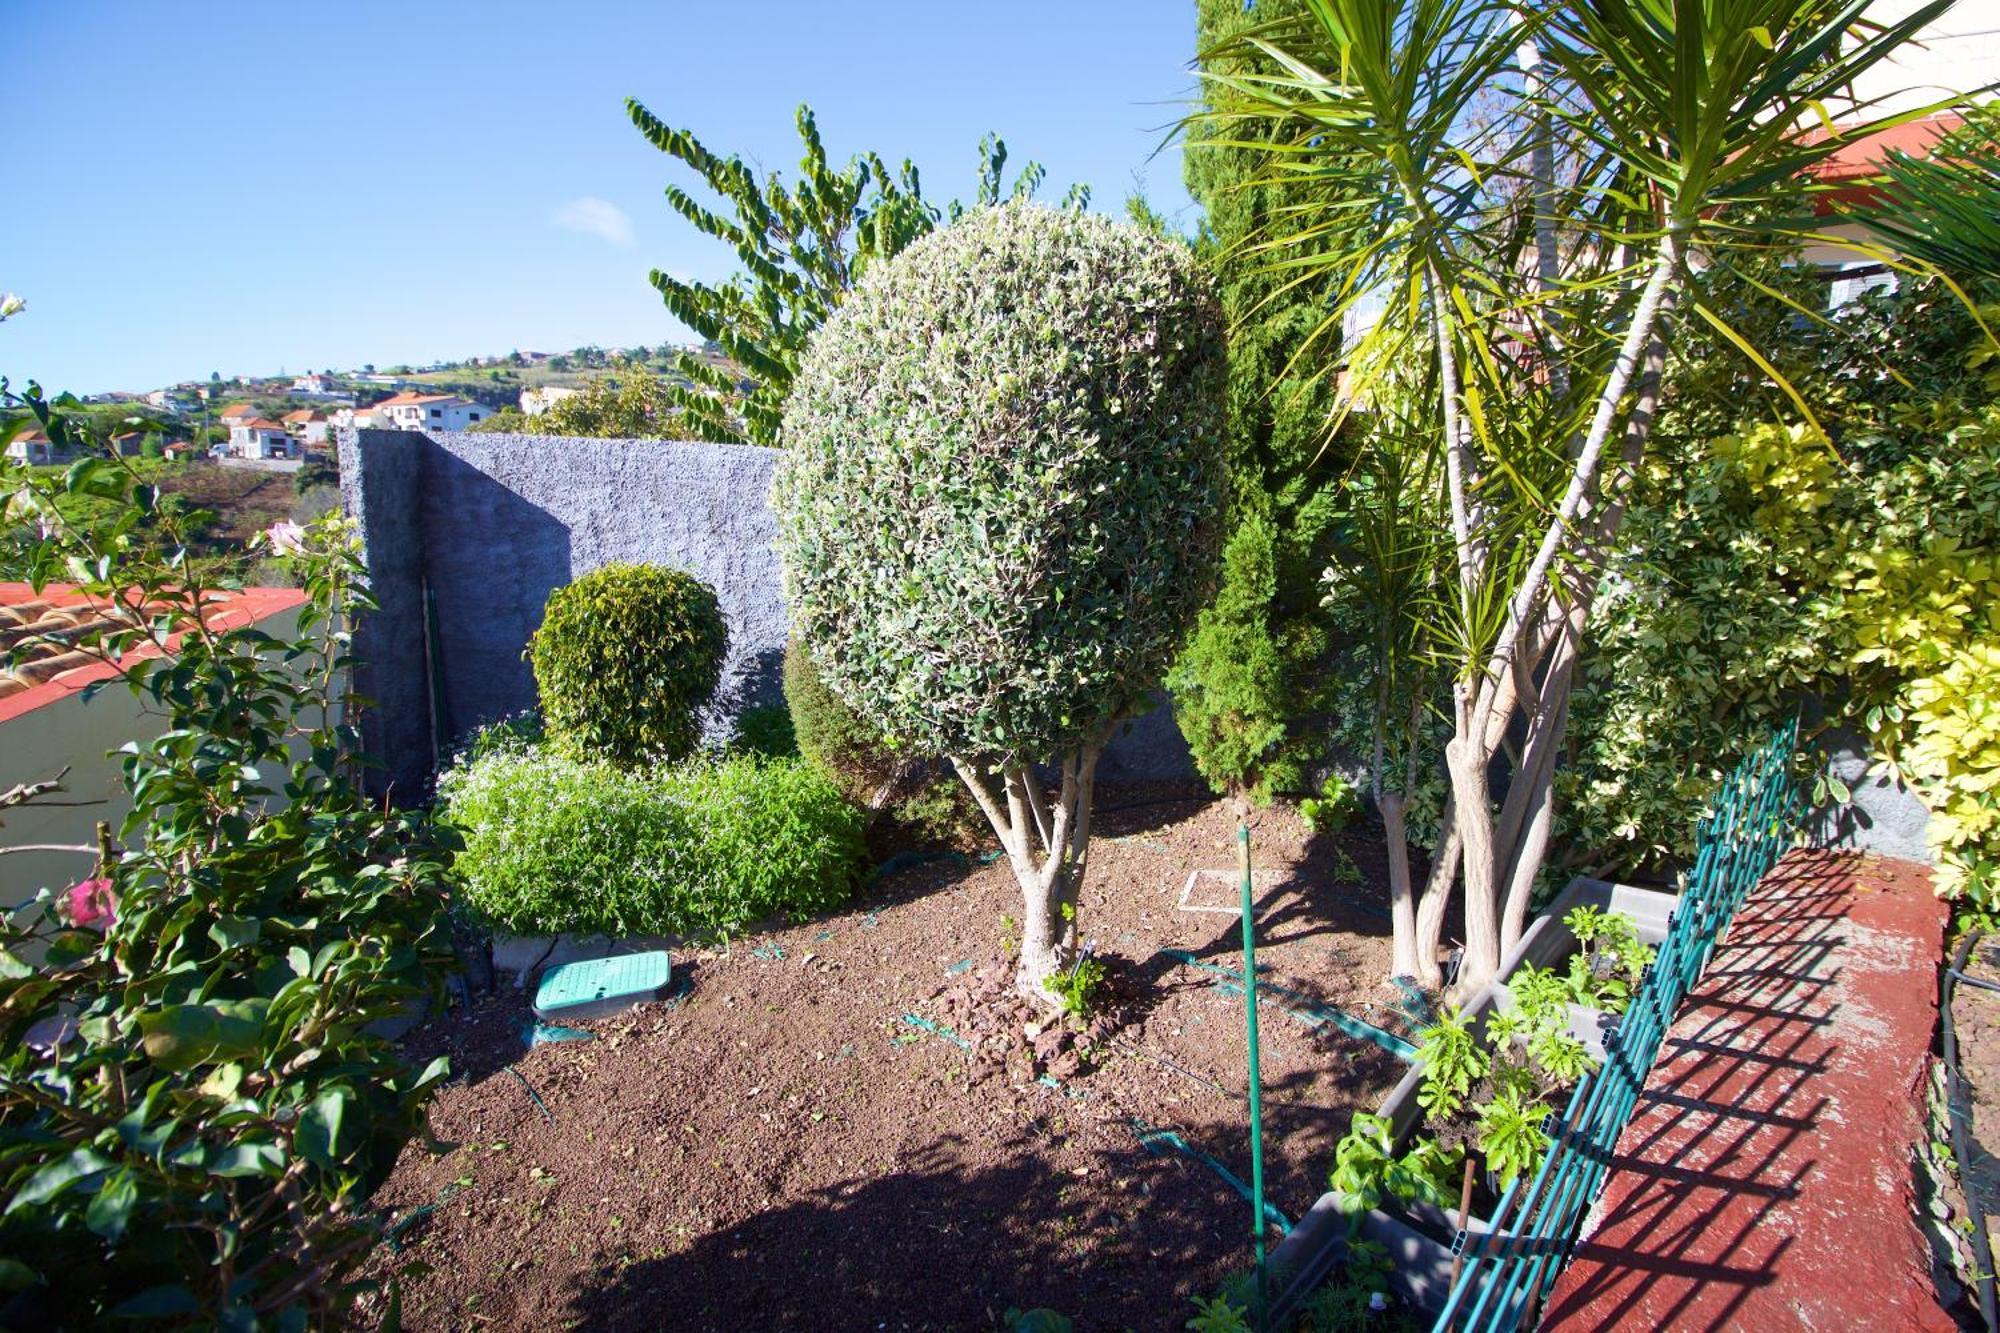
(410, 399)
(33, 435)
(58, 615)
(238, 410)
(261, 423)
(1852, 166)
(303, 414)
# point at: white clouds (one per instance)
(591, 216)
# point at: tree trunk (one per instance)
(1047, 846)
(1465, 759)
(1404, 960)
(1437, 897)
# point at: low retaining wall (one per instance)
(466, 535)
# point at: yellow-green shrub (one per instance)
(1767, 569)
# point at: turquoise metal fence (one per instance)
(1509, 1268)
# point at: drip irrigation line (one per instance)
(1980, 982)
(393, 1235)
(1982, 1248)
(937, 1030)
(1158, 1141)
(902, 861)
(540, 1105)
(1144, 1054)
(1305, 1008)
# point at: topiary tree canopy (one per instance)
(998, 511)
(625, 659)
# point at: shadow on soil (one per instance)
(934, 1246)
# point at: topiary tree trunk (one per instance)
(1047, 847)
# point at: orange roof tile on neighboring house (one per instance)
(59, 615)
(301, 414)
(1853, 165)
(33, 435)
(410, 398)
(238, 410)
(260, 423)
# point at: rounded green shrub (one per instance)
(625, 659)
(554, 843)
(999, 498)
(831, 735)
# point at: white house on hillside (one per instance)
(258, 438)
(314, 384)
(32, 446)
(306, 426)
(431, 411)
(534, 402)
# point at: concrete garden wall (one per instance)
(466, 535)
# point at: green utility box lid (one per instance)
(599, 986)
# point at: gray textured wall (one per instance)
(486, 526)
(1884, 817)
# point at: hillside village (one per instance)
(288, 419)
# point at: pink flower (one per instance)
(91, 904)
(286, 537)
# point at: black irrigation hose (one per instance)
(1982, 1249)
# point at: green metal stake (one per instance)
(1256, 1072)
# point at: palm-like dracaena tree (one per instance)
(1533, 185)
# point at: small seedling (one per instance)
(1077, 987)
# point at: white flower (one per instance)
(286, 537)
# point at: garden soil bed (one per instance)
(782, 1149)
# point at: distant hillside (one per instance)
(494, 380)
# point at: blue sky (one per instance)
(255, 187)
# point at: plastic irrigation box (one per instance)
(595, 987)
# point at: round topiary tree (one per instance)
(625, 659)
(998, 510)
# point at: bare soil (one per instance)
(783, 1148)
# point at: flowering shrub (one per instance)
(554, 843)
(193, 1105)
(625, 659)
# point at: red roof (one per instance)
(1853, 166)
(411, 398)
(302, 414)
(239, 410)
(60, 606)
(260, 423)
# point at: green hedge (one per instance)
(625, 659)
(705, 848)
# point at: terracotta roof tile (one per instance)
(40, 629)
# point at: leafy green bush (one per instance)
(554, 843)
(1338, 802)
(1770, 571)
(206, 1106)
(832, 736)
(924, 799)
(767, 730)
(625, 659)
